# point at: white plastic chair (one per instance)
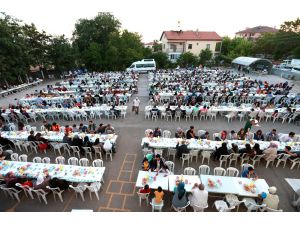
(268, 162)
(23, 158)
(244, 158)
(56, 191)
(73, 161)
(189, 171)
(295, 162)
(158, 151)
(224, 159)
(97, 163)
(60, 160)
(37, 160)
(98, 151)
(26, 189)
(221, 206)
(81, 187)
(170, 165)
(185, 157)
(251, 205)
(41, 194)
(256, 159)
(233, 158)
(88, 152)
(46, 160)
(12, 192)
(233, 201)
(14, 157)
(282, 158)
(270, 210)
(181, 209)
(206, 155)
(219, 171)
(171, 152)
(143, 196)
(199, 208)
(194, 153)
(75, 150)
(108, 152)
(166, 134)
(84, 162)
(156, 206)
(94, 188)
(232, 172)
(204, 169)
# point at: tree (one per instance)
(265, 45)
(187, 59)
(161, 59)
(291, 26)
(205, 55)
(157, 47)
(61, 54)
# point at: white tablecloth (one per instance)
(67, 172)
(57, 136)
(294, 183)
(161, 180)
(211, 145)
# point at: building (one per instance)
(174, 43)
(149, 45)
(255, 32)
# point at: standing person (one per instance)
(249, 125)
(136, 105)
(179, 198)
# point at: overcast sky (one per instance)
(150, 18)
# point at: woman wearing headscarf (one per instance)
(271, 151)
(179, 198)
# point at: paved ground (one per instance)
(119, 193)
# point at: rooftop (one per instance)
(258, 29)
(192, 35)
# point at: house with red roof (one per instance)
(255, 32)
(174, 43)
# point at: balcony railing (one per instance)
(175, 50)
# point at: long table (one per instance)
(222, 184)
(57, 136)
(295, 185)
(19, 87)
(67, 172)
(211, 145)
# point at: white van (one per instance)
(145, 65)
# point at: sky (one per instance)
(150, 18)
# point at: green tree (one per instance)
(204, 56)
(61, 54)
(157, 47)
(161, 59)
(187, 59)
(291, 26)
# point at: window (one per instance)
(190, 46)
(132, 66)
(207, 46)
(139, 65)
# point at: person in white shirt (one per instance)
(136, 104)
(199, 196)
(272, 200)
(287, 137)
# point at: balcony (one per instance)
(175, 50)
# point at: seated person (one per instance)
(249, 173)
(233, 135)
(179, 133)
(287, 150)
(205, 135)
(145, 164)
(31, 136)
(59, 183)
(182, 148)
(55, 127)
(42, 182)
(157, 163)
(158, 195)
(109, 129)
(223, 150)
(272, 136)
(179, 197)
(198, 196)
(157, 132)
(191, 133)
(287, 138)
(145, 190)
(271, 200)
(258, 136)
(6, 143)
(241, 134)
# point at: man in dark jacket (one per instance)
(31, 136)
(180, 149)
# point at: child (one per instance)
(159, 194)
(145, 190)
(146, 165)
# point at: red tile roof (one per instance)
(192, 35)
(258, 29)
